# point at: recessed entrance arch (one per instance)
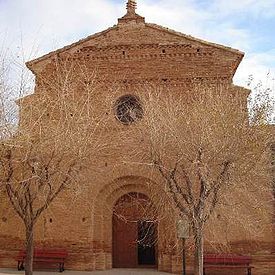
(134, 232)
(102, 218)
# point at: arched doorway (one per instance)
(134, 232)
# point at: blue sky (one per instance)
(40, 26)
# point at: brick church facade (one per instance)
(131, 54)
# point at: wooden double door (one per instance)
(134, 243)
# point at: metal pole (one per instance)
(183, 257)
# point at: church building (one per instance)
(130, 55)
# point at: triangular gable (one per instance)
(137, 34)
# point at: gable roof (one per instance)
(139, 20)
(194, 39)
(65, 48)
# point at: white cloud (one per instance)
(55, 23)
(260, 65)
(255, 8)
(178, 15)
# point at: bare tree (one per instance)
(6, 108)
(261, 102)
(59, 130)
(15, 82)
(207, 154)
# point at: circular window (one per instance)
(128, 109)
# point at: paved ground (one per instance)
(108, 272)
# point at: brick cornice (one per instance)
(139, 52)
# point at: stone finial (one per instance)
(131, 7)
(131, 15)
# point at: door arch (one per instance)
(134, 232)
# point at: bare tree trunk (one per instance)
(29, 250)
(198, 253)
